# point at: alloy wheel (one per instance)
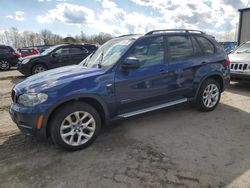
(77, 128)
(4, 65)
(210, 95)
(39, 69)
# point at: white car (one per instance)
(240, 62)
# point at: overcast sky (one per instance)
(120, 16)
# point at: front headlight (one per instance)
(25, 61)
(32, 99)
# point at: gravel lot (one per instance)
(176, 147)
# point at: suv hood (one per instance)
(239, 57)
(32, 56)
(55, 77)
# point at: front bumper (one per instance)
(23, 68)
(26, 121)
(240, 76)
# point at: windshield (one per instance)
(245, 48)
(48, 50)
(108, 53)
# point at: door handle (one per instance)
(204, 63)
(162, 72)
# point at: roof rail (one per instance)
(175, 30)
(126, 35)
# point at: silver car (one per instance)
(240, 62)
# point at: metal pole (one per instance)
(236, 32)
(248, 3)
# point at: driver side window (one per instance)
(149, 51)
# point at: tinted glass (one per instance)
(62, 51)
(149, 51)
(206, 45)
(25, 51)
(197, 49)
(244, 48)
(75, 50)
(91, 48)
(4, 50)
(180, 47)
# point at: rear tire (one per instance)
(75, 126)
(38, 68)
(208, 95)
(4, 65)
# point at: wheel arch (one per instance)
(37, 63)
(216, 76)
(94, 101)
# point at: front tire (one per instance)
(38, 68)
(75, 126)
(208, 96)
(4, 65)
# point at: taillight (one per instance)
(228, 61)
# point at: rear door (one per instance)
(77, 54)
(5, 52)
(143, 87)
(184, 58)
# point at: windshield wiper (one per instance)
(100, 62)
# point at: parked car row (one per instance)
(8, 57)
(27, 51)
(31, 61)
(53, 57)
(229, 46)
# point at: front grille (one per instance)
(239, 66)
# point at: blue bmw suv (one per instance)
(126, 76)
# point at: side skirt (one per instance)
(129, 114)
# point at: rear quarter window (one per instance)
(207, 46)
(78, 50)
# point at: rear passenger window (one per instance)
(180, 47)
(78, 50)
(197, 48)
(75, 50)
(206, 45)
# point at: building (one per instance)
(244, 26)
(69, 40)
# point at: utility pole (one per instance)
(236, 31)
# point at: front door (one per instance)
(142, 87)
(61, 57)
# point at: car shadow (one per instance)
(209, 149)
(17, 79)
(241, 88)
(11, 69)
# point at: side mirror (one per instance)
(130, 63)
